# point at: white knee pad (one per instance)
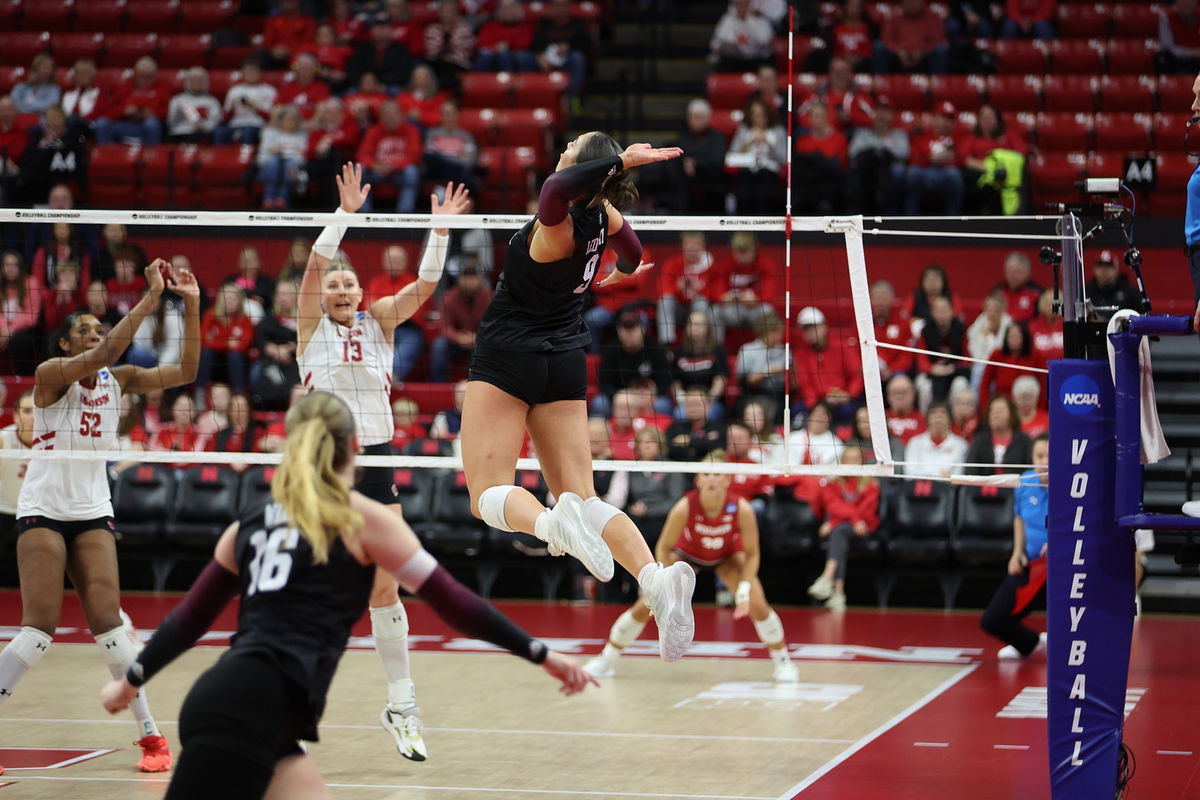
(118, 649)
(390, 623)
(770, 630)
(491, 506)
(599, 513)
(29, 646)
(625, 630)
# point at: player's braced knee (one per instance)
(490, 506)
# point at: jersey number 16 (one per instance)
(272, 563)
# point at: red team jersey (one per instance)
(708, 541)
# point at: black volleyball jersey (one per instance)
(539, 307)
(297, 613)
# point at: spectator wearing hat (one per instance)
(878, 156)
(462, 309)
(935, 168)
(381, 55)
(1110, 286)
(827, 368)
(1021, 293)
(633, 358)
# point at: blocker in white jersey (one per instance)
(353, 362)
(84, 418)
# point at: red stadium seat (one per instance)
(1076, 56)
(122, 50)
(101, 16)
(730, 90)
(727, 122)
(1069, 93)
(1053, 177)
(206, 15)
(219, 81)
(10, 13)
(1131, 56)
(509, 176)
(1064, 132)
(527, 127)
(1135, 20)
(1122, 132)
(158, 176)
(907, 92)
(1169, 199)
(109, 78)
(231, 57)
(1019, 57)
(49, 15)
(1014, 92)
(10, 77)
(1083, 21)
(487, 89)
(482, 124)
(539, 89)
(154, 16)
(68, 47)
(113, 175)
(964, 91)
(1175, 92)
(221, 176)
(18, 49)
(1128, 93)
(1169, 131)
(184, 50)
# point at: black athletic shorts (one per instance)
(238, 721)
(68, 528)
(533, 378)
(378, 483)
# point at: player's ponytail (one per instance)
(320, 432)
(618, 188)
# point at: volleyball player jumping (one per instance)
(349, 352)
(64, 512)
(529, 374)
(302, 565)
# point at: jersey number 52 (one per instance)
(272, 563)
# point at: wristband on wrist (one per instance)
(327, 243)
(135, 674)
(538, 651)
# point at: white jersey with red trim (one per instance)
(84, 418)
(355, 363)
(12, 470)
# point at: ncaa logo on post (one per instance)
(1080, 394)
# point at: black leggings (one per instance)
(1013, 602)
(242, 716)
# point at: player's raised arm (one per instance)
(139, 380)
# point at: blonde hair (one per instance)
(320, 429)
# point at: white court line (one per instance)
(439, 788)
(1010, 747)
(1174, 752)
(875, 734)
(59, 765)
(511, 731)
(931, 744)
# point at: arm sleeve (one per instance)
(628, 247)
(562, 187)
(186, 623)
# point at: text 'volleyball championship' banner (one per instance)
(1089, 589)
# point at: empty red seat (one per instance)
(113, 175)
(1053, 177)
(907, 92)
(18, 49)
(49, 15)
(154, 16)
(1135, 20)
(1019, 56)
(10, 77)
(527, 127)
(1175, 168)
(101, 16)
(727, 122)
(71, 46)
(1175, 92)
(1169, 130)
(1122, 132)
(509, 176)
(1069, 93)
(1064, 132)
(1131, 56)
(481, 123)
(487, 89)
(730, 90)
(1083, 21)
(964, 91)
(122, 50)
(1076, 56)
(205, 15)
(1014, 92)
(10, 13)
(1128, 93)
(184, 50)
(219, 81)
(231, 56)
(161, 178)
(222, 175)
(539, 89)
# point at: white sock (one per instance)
(770, 632)
(541, 526)
(389, 626)
(779, 654)
(624, 631)
(119, 653)
(646, 574)
(24, 651)
(610, 653)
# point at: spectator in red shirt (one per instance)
(913, 40)
(329, 53)
(332, 141)
(964, 412)
(1017, 350)
(1026, 390)
(757, 152)
(382, 54)
(180, 435)
(829, 371)
(137, 109)
(851, 511)
(935, 168)
(126, 286)
(408, 340)
(405, 427)
(390, 153)
(449, 44)
(64, 245)
(504, 41)
(21, 297)
(63, 297)
(904, 421)
(819, 168)
(626, 422)
(406, 29)
(462, 309)
(305, 90)
(14, 139)
(226, 335)
(690, 281)
(990, 134)
(1046, 331)
(286, 32)
(363, 104)
(347, 25)
(853, 34)
(1021, 293)
(892, 326)
(1179, 38)
(1028, 18)
(848, 106)
(421, 101)
(748, 285)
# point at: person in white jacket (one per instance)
(935, 451)
(193, 114)
(986, 334)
